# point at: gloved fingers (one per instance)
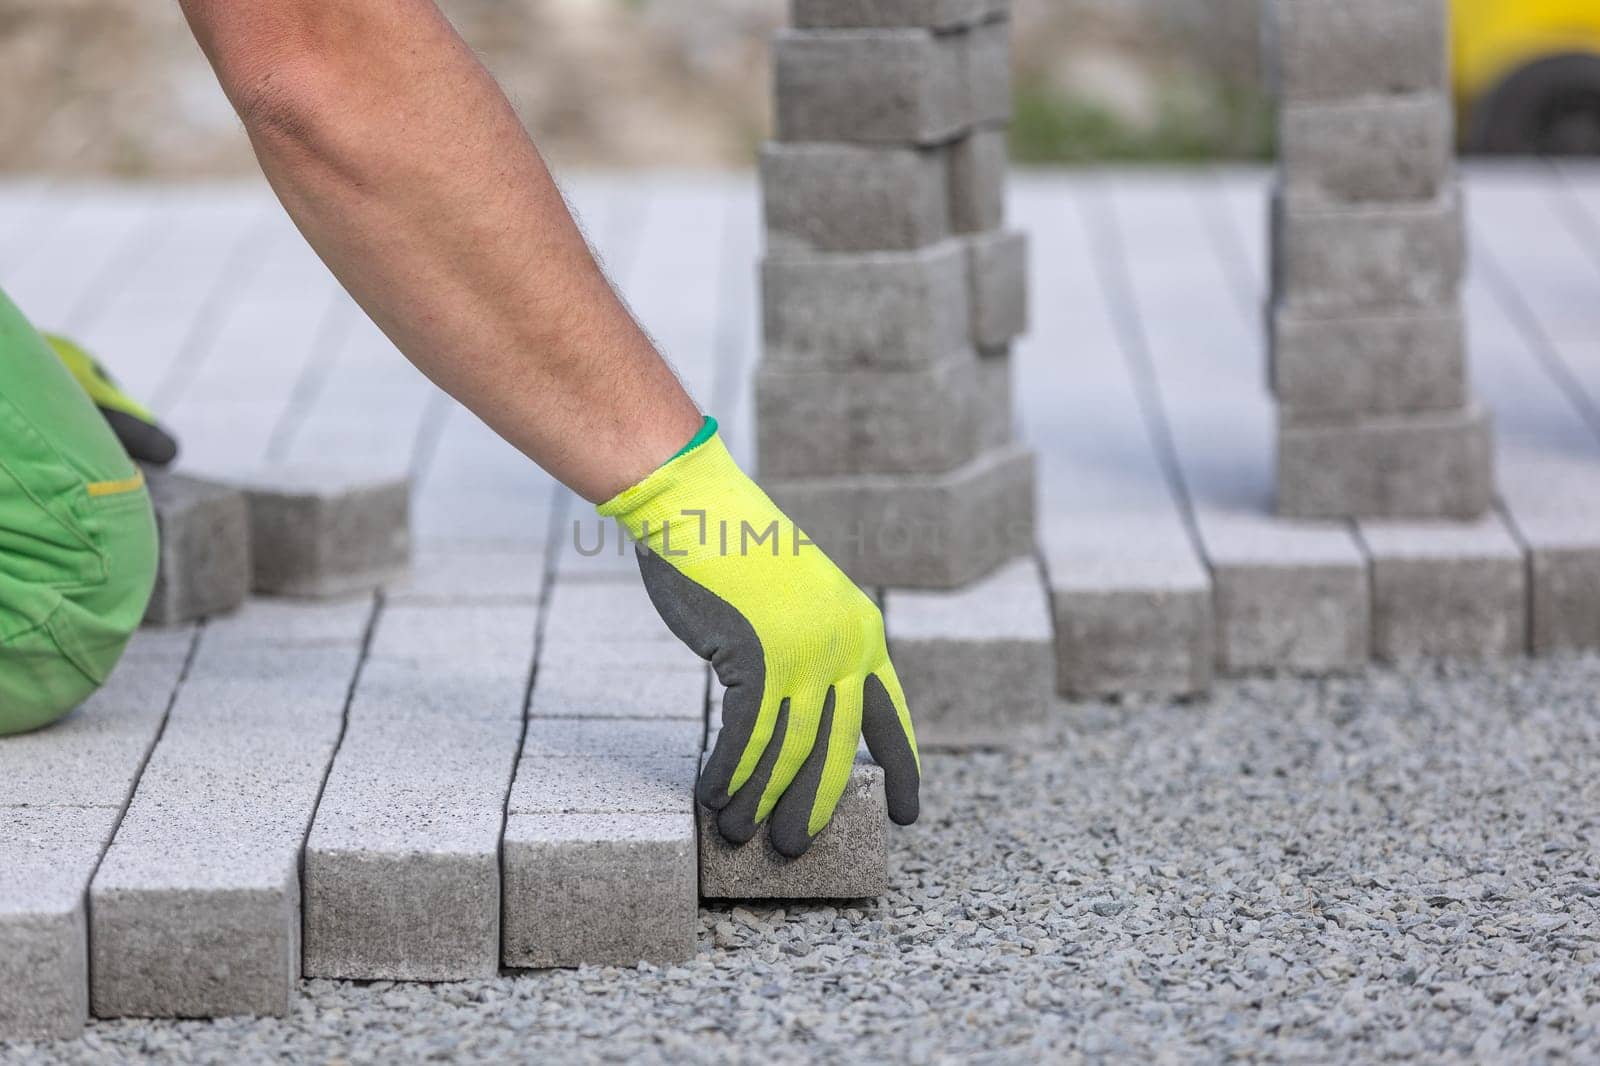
(805, 715)
(807, 807)
(886, 725)
(737, 820)
(748, 723)
(142, 437)
(144, 441)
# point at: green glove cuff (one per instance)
(708, 429)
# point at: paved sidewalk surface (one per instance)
(1343, 870)
(1333, 870)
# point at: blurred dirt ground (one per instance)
(118, 87)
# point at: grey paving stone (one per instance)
(162, 948)
(993, 405)
(1372, 363)
(592, 549)
(47, 855)
(268, 623)
(402, 873)
(452, 575)
(578, 685)
(868, 14)
(919, 531)
(986, 58)
(978, 165)
(854, 198)
(195, 909)
(978, 664)
(1322, 51)
(1354, 258)
(594, 614)
(451, 692)
(457, 637)
(1382, 148)
(92, 756)
(1565, 574)
(324, 531)
(1447, 589)
(554, 738)
(62, 790)
(205, 564)
(848, 860)
(878, 86)
(999, 273)
(1430, 465)
(161, 644)
(288, 665)
(1132, 605)
(1288, 596)
(603, 784)
(881, 309)
(599, 889)
(824, 422)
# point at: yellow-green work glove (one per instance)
(142, 437)
(799, 646)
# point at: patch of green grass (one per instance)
(1192, 123)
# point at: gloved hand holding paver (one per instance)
(799, 646)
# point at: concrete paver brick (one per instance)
(205, 562)
(848, 860)
(870, 309)
(600, 889)
(853, 198)
(978, 664)
(1428, 465)
(321, 531)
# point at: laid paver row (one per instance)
(387, 776)
(62, 793)
(196, 907)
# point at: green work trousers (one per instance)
(77, 536)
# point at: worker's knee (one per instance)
(78, 635)
(39, 682)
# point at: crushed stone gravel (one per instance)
(1396, 865)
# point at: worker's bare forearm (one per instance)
(406, 168)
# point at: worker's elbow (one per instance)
(273, 64)
(283, 100)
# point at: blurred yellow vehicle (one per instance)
(1528, 75)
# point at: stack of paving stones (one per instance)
(892, 292)
(1368, 354)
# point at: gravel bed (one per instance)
(1397, 865)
